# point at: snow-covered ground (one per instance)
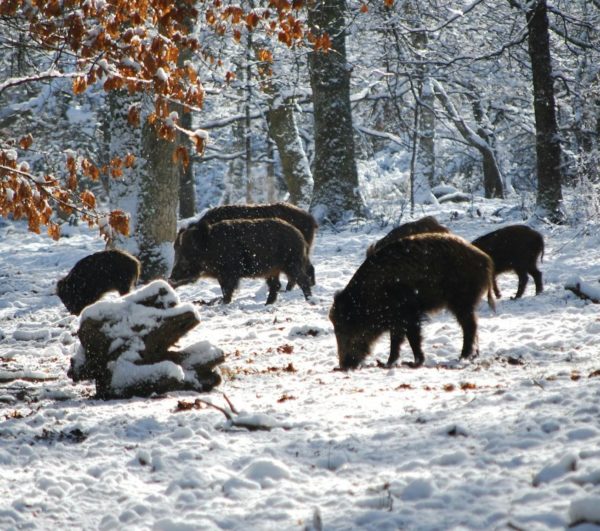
(508, 441)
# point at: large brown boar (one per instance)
(295, 216)
(421, 226)
(302, 220)
(514, 248)
(234, 249)
(396, 287)
(95, 275)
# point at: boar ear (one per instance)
(203, 226)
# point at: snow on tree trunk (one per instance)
(426, 153)
(492, 179)
(124, 138)
(187, 189)
(336, 194)
(235, 180)
(148, 191)
(549, 194)
(157, 205)
(294, 163)
(281, 122)
(478, 140)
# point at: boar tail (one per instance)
(490, 298)
(491, 273)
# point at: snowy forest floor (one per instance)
(508, 441)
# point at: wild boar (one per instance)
(514, 248)
(95, 275)
(295, 216)
(396, 287)
(423, 225)
(234, 249)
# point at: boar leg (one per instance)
(468, 323)
(274, 285)
(496, 288)
(523, 279)
(310, 271)
(537, 278)
(228, 286)
(304, 283)
(396, 339)
(290, 285)
(413, 334)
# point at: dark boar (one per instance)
(421, 226)
(514, 248)
(302, 220)
(95, 275)
(396, 287)
(234, 249)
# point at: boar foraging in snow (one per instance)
(396, 287)
(514, 248)
(302, 220)
(421, 226)
(234, 249)
(95, 275)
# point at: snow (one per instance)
(510, 440)
(585, 510)
(162, 75)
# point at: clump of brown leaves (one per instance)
(124, 44)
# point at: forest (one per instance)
(122, 122)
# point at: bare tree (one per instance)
(477, 139)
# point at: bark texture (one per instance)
(548, 149)
(335, 194)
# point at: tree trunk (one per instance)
(123, 190)
(425, 100)
(492, 180)
(148, 191)
(426, 160)
(478, 140)
(235, 181)
(187, 188)
(294, 163)
(157, 205)
(248, 121)
(335, 193)
(281, 122)
(549, 195)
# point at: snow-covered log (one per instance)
(584, 290)
(125, 346)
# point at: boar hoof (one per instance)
(470, 356)
(386, 365)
